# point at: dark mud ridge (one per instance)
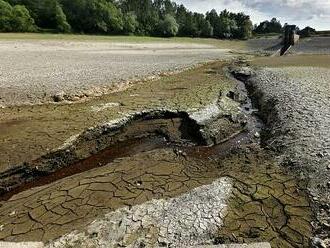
(267, 111)
(124, 137)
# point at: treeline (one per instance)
(272, 26)
(275, 26)
(139, 17)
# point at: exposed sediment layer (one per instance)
(261, 201)
(172, 126)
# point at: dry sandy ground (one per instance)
(35, 71)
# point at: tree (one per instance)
(206, 29)
(15, 19)
(5, 16)
(272, 26)
(130, 23)
(246, 29)
(147, 15)
(307, 32)
(227, 27)
(142, 17)
(244, 24)
(61, 23)
(93, 16)
(21, 20)
(168, 27)
(165, 7)
(214, 20)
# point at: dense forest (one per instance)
(139, 17)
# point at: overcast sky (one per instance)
(314, 13)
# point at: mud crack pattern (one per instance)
(189, 219)
(53, 210)
(266, 203)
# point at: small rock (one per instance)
(320, 155)
(75, 99)
(326, 225)
(58, 97)
(12, 213)
(317, 242)
(257, 135)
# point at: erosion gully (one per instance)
(267, 204)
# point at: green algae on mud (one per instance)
(28, 132)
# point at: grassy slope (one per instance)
(294, 60)
(133, 39)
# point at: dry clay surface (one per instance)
(35, 71)
(300, 97)
(251, 200)
(299, 119)
(312, 45)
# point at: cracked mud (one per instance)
(265, 204)
(235, 191)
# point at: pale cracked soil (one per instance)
(34, 71)
(294, 99)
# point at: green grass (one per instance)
(323, 33)
(236, 44)
(268, 35)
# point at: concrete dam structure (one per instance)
(290, 38)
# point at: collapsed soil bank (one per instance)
(121, 138)
(274, 203)
(29, 132)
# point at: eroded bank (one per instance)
(162, 154)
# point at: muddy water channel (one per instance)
(157, 155)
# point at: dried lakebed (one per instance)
(159, 178)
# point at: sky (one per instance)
(313, 13)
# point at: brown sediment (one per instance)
(268, 204)
(149, 132)
(153, 158)
(100, 146)
(108, 155)
(48, 126)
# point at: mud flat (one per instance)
(37, 71)
(128, 179)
